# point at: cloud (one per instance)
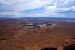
(73, 8)
(32, 4)
(24, 8)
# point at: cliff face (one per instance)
(13, 36)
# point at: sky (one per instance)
(37, 8)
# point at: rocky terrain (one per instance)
(29, 35)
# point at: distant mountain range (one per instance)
(41, 18)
